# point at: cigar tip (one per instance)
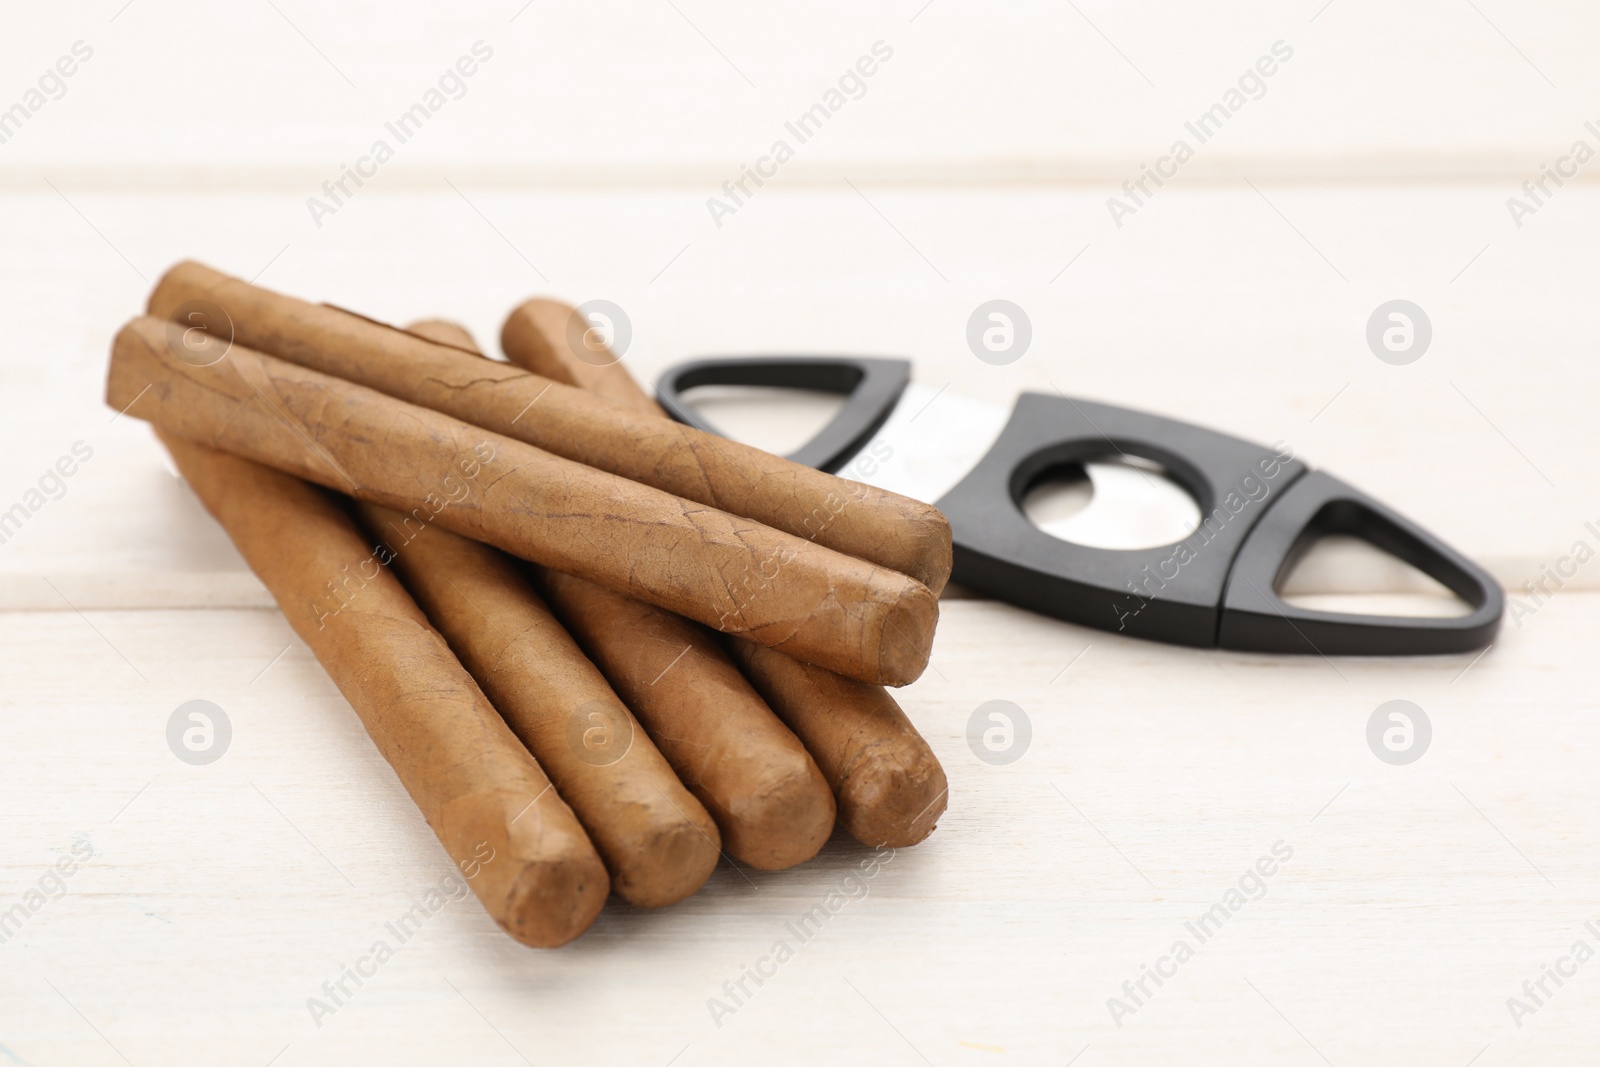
(123, 383)
(906, 640)
(176, 279)
(670, 861)
(531, 864)
(136, 327)
(894, 795)
(784, 821)
(537, 306)
(522, 339)
(526, 336)
(553, 900)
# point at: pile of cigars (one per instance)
(598, 647)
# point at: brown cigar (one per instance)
(658, 842)
(890, 787)
(484, 795)
(765, 791)
(722, 570)
(891, 530)
(549, 338)
(889, 784)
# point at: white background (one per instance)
(977, 165)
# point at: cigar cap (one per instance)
(890, 787)
(548, 337)
(892, 795)
(546, 883)
(553, 901)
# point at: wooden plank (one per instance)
(1417, 899)
(1240, 309)
(640, 93)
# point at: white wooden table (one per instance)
(977, 164)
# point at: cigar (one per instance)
(543, 336)
(657, 841)
(486, 798)
(728, 572)
(889, 785)
(885, 528)
(762, 787)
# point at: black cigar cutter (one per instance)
(1217, 588)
